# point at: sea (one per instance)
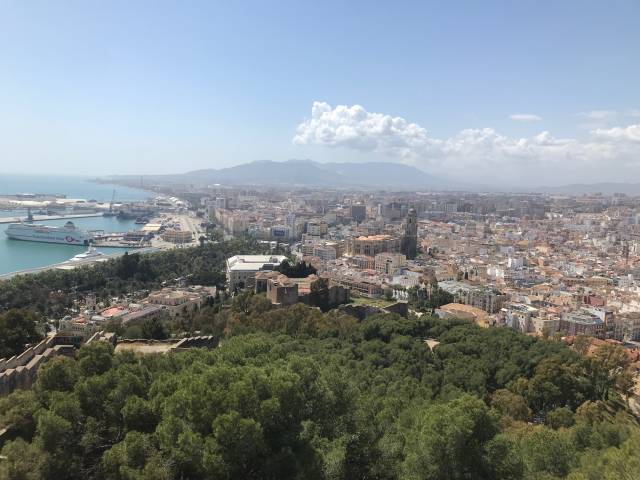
(18, 255)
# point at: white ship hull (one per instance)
(67, 235)
(91, 254)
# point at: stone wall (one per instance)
(363, 311)
(20, 371)
(147, 346)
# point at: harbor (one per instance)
(111, 236)
(43, 218)
(45, 231)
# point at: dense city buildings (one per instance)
(540, 264)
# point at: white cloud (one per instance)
(354, 127)
(525, 117)
(483, 151)
(620, 134)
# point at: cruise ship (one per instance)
(90, 254)
(69, 234)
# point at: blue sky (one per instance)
(143, 87)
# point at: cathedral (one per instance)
(409, 244)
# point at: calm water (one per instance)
(17, 255)
(72, 187)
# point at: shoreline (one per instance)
(69, 265)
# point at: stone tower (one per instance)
(409, 245)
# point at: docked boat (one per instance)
(68, 234)
(142, 221)
(90, 254)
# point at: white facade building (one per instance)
(242, 269)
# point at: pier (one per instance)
(42, 218)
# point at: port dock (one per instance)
(42, 218)
(117, 242)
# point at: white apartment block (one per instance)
(242, 269)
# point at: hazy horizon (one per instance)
(520, 93)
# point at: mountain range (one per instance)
(304, 173)
(368, 175)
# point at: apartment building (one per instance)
(485, 297)
(582, 322)
(241, 269)
(390, 263)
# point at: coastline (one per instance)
(69, 265)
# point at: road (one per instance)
(188, 222)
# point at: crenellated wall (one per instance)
(20, 371)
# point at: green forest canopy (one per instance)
(297, 394)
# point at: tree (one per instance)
(17, 413)
(297, 270)
(95, 358)
(215, 234)
(511, 404)
(626, 383)
(582, 343)
(449, 441)
(560, 418)
(58, 374)
(426, 299)
(22, 461)
(547, 451)
(614, 463)
(236, 449)
(17, 329)
(138, 414)
(154, 328)
(128, 458)
(606, 366)
(556, 383)
(127, 265)
(296, 393)
(53, 431)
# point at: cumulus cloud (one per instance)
(355, 128)
(620, 134)
(525, 117)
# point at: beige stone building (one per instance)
(372, 245)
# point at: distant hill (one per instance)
(304, 173)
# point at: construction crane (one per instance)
(110, 213)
